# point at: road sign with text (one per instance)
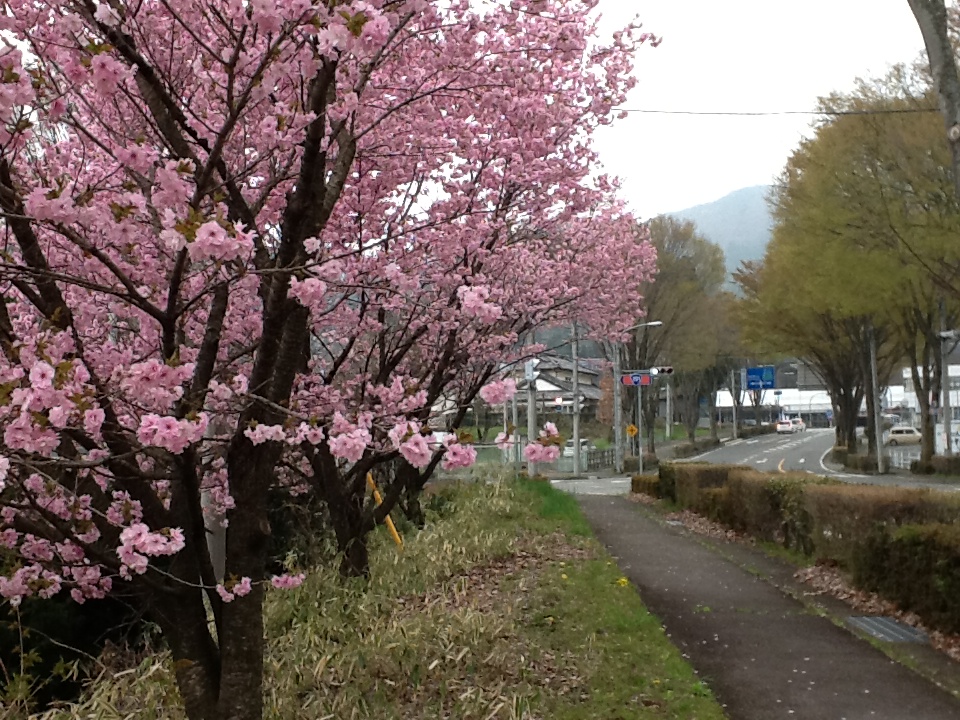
(636, 379)
(761, 378)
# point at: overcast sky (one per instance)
(738, 56)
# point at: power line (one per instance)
(902, 111)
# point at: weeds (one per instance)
(500, 609)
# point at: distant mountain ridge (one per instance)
(740, 223)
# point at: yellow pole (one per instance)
(389, 523)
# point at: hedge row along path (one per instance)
(764, 654)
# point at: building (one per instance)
(554, 385)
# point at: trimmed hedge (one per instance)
(685, 450)
(846, 515)
(938, 465)
(863, 463)
(755, 430)
(645, 485)
(917, 567)
(901, 542)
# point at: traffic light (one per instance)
(667, 370)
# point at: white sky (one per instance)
(738, 56)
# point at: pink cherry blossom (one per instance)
(287, 582)
(458, 456)
(499, 391)
(416, 451)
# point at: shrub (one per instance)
(630, 464)
(917, 567)
(863, 463)
(712, 503)
(650, 461)
(668, 481)
(645, 485)
(685, 450)
(945, 465)
(752, 505)
(846, 515)
(755, 430)
(691, 478)
(919, 467)
(839, 454)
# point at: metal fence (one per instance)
(902, 457)
(591, 460)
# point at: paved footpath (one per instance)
(763, 653)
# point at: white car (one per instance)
(904, 435)
(798, 424)
(785, 426)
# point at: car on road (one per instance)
(903, 435)
(798, 424)
(785, 426)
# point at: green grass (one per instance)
(560, 509)
(634, 671)
(586, 608)
(502, 608)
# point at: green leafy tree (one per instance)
(683, 296)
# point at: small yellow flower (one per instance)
(656, 681)
(563, 576)
(623, 582)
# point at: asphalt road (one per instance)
(804, 452)
(799, 451)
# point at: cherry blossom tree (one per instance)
(250, 244)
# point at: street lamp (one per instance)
(617, 408)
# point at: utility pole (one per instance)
(733, 401)
(575, 352)
(877, 423)
(669, 410)
(516, 436)
(617, 412)
(640, 429)
(945, 337)
(530, 374)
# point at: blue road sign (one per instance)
(761, 378)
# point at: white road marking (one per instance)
(761, 461)
(802, 460)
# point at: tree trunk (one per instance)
(346, 515)
(182, 618)
(241, 632)
(922, 385)
(931, 16)
(412, 508)
(712, 408)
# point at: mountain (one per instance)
(740, 223)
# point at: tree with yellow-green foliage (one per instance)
(684, 297)
(865, 221)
